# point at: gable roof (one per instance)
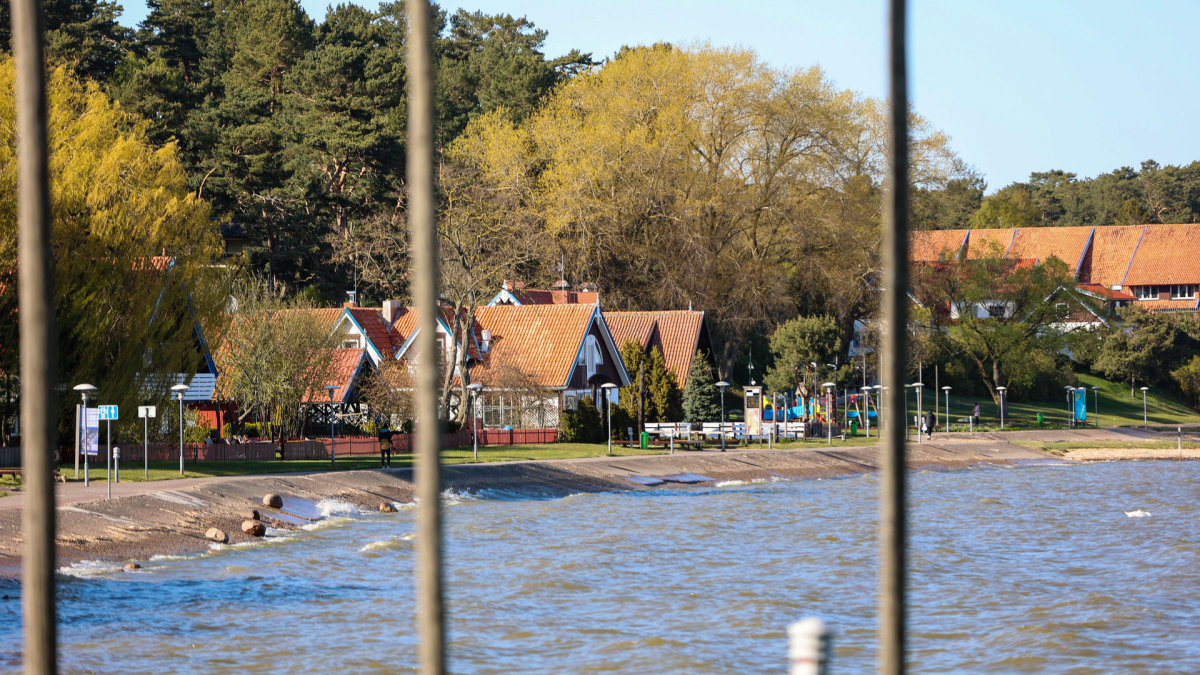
(985, 243)
(931, 245)
(677, 333)
(1068, 244)
(345, 366)
(371, 323)
(1166, 255)
(1110, 255)
(543, 341)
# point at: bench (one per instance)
(18, 472)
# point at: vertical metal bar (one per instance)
(36, 298)
(892, 526)
(431, 631)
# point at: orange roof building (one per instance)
(678, 334)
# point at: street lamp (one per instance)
(1096, 391)
(920, 416)
(829, 387)
(80, 424)
(947, 390)
(723, 385)
(1070, 408)
(608, 388)
(179, 389)
(1002, 405)
(474, 422)
(1145, 422)
(332, 441)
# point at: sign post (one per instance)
(108, 413)
(146, 412)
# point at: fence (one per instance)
(10, 457)
(354, 446)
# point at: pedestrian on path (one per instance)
(385, 447)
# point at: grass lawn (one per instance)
(1117, 408)
(1059, 447)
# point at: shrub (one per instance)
(582, 425)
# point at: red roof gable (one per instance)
(541, 340)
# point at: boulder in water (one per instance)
(254, 528)
(273, 500)
(386, 507)
(129, 567)
(216, 535)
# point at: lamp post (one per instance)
(1145, 421)
(332, 441)
(1096, 391)
(474, 421)
(829, 387)
(947, 390)
(81, 424)
(905, 418)
(920, 416)
(722, 386)
(179, 389)
(832, 374)
(867, 408)
(608, 389)
(1070, 408)
(1002, 405)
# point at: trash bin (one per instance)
(853, 427)
(1040, 419)
(645, 439)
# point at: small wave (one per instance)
(450, 497)
(732, 483)
(1138, 513)
(398, 543)
(335, 507)
(86, 569)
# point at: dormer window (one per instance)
(350, 343)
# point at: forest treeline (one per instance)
(671, 176)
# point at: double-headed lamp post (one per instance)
(474, 388)
(829, 386)
(84, 389)
(332, 441)
(179, 389)
(1145, 420)
(1003, 406)
(947, 390)
(920, 416)
(722, 386)
(608, 388)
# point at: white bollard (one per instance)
(116, 465)
(808, 647)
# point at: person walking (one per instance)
(975, 414)
(930, 421)
(385, 447)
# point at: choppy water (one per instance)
(1025, 570)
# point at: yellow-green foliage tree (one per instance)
(132, 247)
(701, 175)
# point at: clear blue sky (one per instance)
(1020, 85)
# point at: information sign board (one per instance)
(91, 432)
(108, 412)
(146, 411)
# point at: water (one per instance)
(1025, 570)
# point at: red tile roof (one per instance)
(1167, 254)
(933, 245)
(372, 322)
(542, 340)
(1110, 255)
(1166, 305)
(986, 243)
(1105, 292)
(344, 365)
(675, 332)
(1065, 243)
(529, 296)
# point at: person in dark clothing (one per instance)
(930, 420)
(975, 413)
(385, 447)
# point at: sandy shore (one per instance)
(171, 517)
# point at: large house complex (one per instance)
(1150, 266)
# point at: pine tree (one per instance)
(701, 400)
(662, 391)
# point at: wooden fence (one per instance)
(10, 457)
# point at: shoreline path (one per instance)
(171, 516)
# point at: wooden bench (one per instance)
(19, 473)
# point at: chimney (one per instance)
(485, 341)
(391, 309)
(351, 297)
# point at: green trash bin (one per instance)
(1040, 419)
(645, 440)
(853, 427)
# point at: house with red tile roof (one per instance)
(678, 334)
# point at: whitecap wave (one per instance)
(86, 569)
(732, 483)
(450, 497)
(335, 507)
(397, 543)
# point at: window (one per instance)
(995, 309)
(1183, 292)
(350, 343)
(1146, 292)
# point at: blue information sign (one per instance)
(1081, 405)
(108, 412)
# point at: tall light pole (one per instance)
(722, 386)
(332, 441)
(1070, 407)
(608, 388)
(829, 387)
(947, 390)
(833, 375)
(81, 424)
(1145, 421)
(474, 388)
(1096, 391)
(920, 417)
(1003, 405)
(179, 389)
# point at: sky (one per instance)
(1020, 86)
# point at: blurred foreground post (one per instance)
(892, 528)
(36, 316)
(431, 648)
